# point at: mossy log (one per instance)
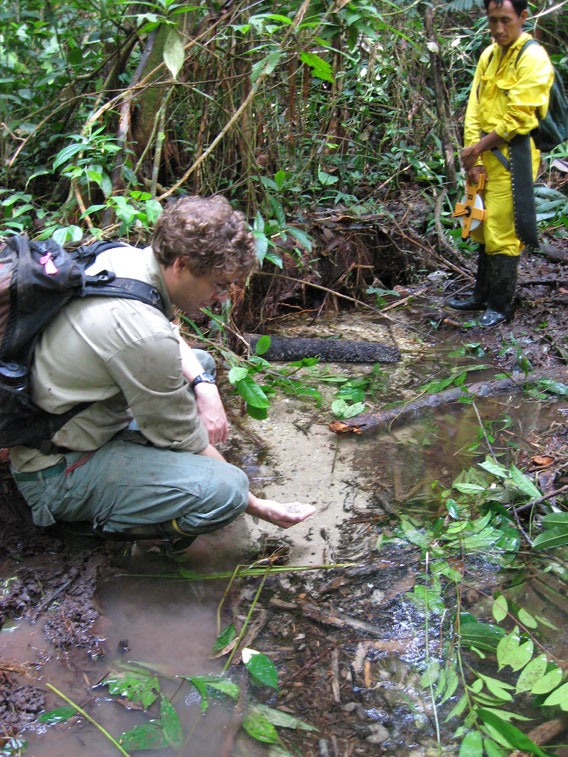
(286, 349)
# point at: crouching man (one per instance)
(140, 459)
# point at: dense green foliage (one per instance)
(108, 107)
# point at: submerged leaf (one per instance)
(171, 725)
(59, 715)
(144, 736)
(225, 637)
(136, 685)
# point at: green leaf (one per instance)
(458, 709)
(511, 652)
(431, 674)
(258, 413)
(237, 373)
(251, 392)
(547, 682)
(283, 719)
(301, 236)
(260, 667)
(527, 619)
(532, 673)
(199, 684)
(524, 483)
(512, 734)
(555, 519)
(59, 715)
(497, 688)
(171, 725)
(144, 736)
(495, 468)
(471, 746)
(257, 726)
(174, 54)
(553, 537)
(135, 685)
(481, 635)
(452, 681)
(262, 345)
(558, 697)
(499, 608)
(326, 178)
(225, 637)
(219, 683)
(265, 66)
(554, 387)
(320, 67)
(493, 749)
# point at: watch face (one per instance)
(208, 378)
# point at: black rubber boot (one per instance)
(477, 300)
(504, 269)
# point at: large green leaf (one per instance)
(174, 54)
(524, 484)
(552, 537)
(260, 667)
(555, 519)
(513, 735)
(252, 393)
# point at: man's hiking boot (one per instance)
(504, 270)
(477, 300)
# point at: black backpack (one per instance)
(37, 279)
(552, 130)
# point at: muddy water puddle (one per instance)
(355, 482)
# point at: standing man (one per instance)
(508, 94)
(140, 460)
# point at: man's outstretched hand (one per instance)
(280, 514)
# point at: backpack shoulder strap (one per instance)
(106, 284)
(528, 43)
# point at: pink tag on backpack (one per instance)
(47, 261)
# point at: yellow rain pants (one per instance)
(504, 98)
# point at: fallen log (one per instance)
(364, 422)
(286, 349)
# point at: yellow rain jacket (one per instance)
(504, 98)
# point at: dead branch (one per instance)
(360, 424)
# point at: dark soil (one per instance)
(47, 572)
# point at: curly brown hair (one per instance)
(208, 234)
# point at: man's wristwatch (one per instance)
(208, 378)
